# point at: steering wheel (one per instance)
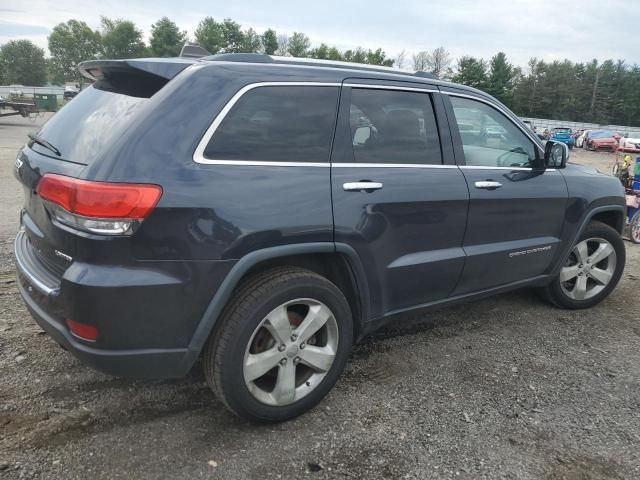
(504, 159)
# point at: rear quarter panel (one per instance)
(213, 212)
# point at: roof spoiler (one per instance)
(164, 68)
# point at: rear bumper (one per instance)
(146, 313)
(143, 363)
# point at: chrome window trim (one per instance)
(198, 155)
(528, 134)
(260, 163)
(480, 167)
(390, 165)
(390, 87)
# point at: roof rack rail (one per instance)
(240, 57)
(425, 75)
(264, 58)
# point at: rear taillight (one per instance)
(98, 207)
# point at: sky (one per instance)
(579, 30)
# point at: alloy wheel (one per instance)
(634, 228)
(589, 269)
(290, 352)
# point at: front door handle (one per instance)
(488, 185)
(362, 186)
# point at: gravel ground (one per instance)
(508, 387)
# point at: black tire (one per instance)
(556, 294)
(253, 301)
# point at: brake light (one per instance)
(98, 207)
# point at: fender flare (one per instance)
(585, 221)
(243, 265)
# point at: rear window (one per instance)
(278, 124)
(89, 124)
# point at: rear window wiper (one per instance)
(41, 141)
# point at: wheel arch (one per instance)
(338, 263)
(612, 215)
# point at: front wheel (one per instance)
(634, 227)
(281, 345)
(592, 270)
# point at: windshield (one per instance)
(601, 134)
(561, 130)
(89, 124)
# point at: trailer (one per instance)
(22, 107)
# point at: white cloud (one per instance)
(579, 30)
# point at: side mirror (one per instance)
(556, 154)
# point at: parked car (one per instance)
(220, 208)
(580, 140)
(564, 135)
(629, 144)
(70, 92)
(601, 140)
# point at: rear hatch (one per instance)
(79, 135)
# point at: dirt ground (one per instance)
(508, 387)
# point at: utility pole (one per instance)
(593, 96)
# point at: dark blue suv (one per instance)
(264, 213)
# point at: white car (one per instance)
(628, 144)
(580, 140)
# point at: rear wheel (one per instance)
(592, 270)
(280, 346)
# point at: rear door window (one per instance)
(278, 124)
(393, 126)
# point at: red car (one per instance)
(603, 140)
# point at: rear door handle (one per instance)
(363, 186)
(488, 185)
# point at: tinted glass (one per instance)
(392, 126)
(278, 124)
(489, 138)
(89, 124)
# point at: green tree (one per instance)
(233, 37)
(55, 76)
(121, 39)
(251, 42)
(378, 57)
(334, 54)
(166, 38)
(321, 52)
(209, 35)
(471, 71)
(270, 41)
(298, 45)
(23, 63)
(500, 81)
(359, 55)
(71, 43)
(2, 79)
